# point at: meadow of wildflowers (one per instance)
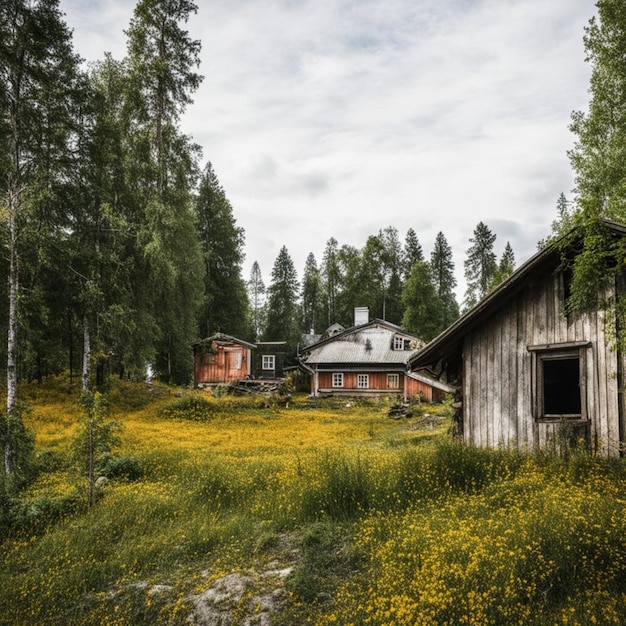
(380, 521)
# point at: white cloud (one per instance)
(340, 117)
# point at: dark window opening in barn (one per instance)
(561, 386)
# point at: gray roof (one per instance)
(369, 344)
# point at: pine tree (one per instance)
(505, 268)
(422, 312)
(331, 279)
(256, 295)
(392, 269)
(480, 265)
(161, 61)
(282, 303)
(412, 253)
(225, 305)
(311, 295)
(444, 281)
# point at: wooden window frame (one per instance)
(398, 342)
(551, 352)
(363, 381)
(396, 381)
(266, 359)
(337, 380)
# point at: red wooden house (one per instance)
(369, 359)
(221, 360)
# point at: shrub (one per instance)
(122, 466)
(191, 406)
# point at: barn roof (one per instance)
(449, 341)
(370, 344)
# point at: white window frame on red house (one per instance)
(363, 381)
(337, 379)
(393, 381)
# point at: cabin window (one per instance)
(398, 343)
(363, 381)
(208, 358)
(393, 381)
(337, 380)
(268, 362)
(559, 382)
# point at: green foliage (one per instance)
(505, 268)
(191, 406)
(225, 304)
(312, 310)
(282, 302)
(480, 265)
(328, 557)
(256, 297)
(423, 314)
(19, 442)
(427, 531)
(341, 490)
(442, 272)
(598, 163)
(97, 436)
(121, 466)
(412, 252)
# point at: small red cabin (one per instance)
(221, 360)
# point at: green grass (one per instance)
(369, 520)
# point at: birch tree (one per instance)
(37, 76)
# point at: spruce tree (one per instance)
(256, 296)
(422, 306)
(505, 268)
(311, 296)
(225, 302)
(282, 303)
(162, 79)
(412, 253)
(444, 281)
(480, 265)
(331, 279)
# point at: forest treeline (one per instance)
(122, 248)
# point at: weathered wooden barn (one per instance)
(221, 360)
(368, 359)
(528, 374)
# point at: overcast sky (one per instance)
(338, 118)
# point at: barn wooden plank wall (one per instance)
(500, 412)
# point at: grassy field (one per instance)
(242, 511)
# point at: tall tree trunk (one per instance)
(12, 334)
(86, 354)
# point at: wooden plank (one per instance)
(522, 439)
(497, 374)
(488, 383)
(468, 389)
(512, 355)
(485, 388)
(505, 369)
